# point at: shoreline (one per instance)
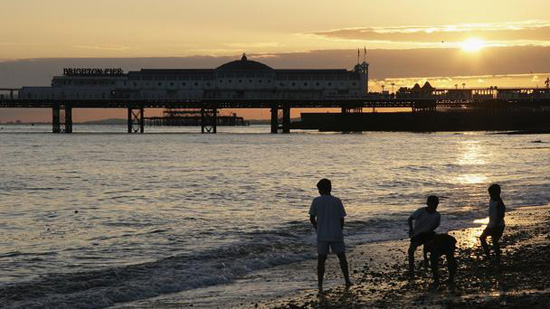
(378, 272)
(522, 280)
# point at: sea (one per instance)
(103, 218)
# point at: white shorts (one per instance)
(335, 247)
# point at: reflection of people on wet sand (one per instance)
(495, 227)
(442, 244)
(327, 216)
(426, 220)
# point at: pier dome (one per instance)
(244, 65)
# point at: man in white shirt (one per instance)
(327, 217)
(426, 220)
(495, 227)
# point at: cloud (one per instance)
(254, 45)
(384, 63)
(104, 47)
(513, 33)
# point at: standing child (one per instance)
(495, 228)
(327, 217)
(426, 220)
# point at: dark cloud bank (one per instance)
(383, 63)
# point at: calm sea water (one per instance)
(98, 217)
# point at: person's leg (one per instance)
(322, 251)
(426, 249)
(434, 261)
(496, 248)
(496, 245)
(412, 250)
(483, 239)
(452, 265)
(321, 270)
(344, 267)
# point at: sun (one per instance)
(472, 45)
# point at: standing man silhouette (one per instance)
(327, 217)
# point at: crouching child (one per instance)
(442, 244)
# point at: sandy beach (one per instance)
(378, 270)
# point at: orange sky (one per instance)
(161, 28)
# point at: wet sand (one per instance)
(378, 271)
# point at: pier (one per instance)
(246, 84)
(498, 99)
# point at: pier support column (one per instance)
(274, 120)
(56, 119)
(136, 120)
(209, 120)
(286, 118)
(280, 122)
(68, 119)
(62, 119)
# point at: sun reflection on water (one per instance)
(472, 154)
(470, 179)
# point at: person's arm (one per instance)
(313, 214)
(313, 221)
(342, 214)
(410, 226)
(493, 215)
(501, 209)
(437, 222)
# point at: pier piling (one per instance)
(56, 119)
(274, 120)
(286, 118)
(62, 118)
(280, 123)
(209, 120)
(136, 120)
(68, 119)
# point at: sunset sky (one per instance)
(160, 28)
(423, 38)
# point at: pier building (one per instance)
(240, 79)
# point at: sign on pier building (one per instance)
(240, 79)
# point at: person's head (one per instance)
(494, 191)
(432, 202)
(325, 186)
